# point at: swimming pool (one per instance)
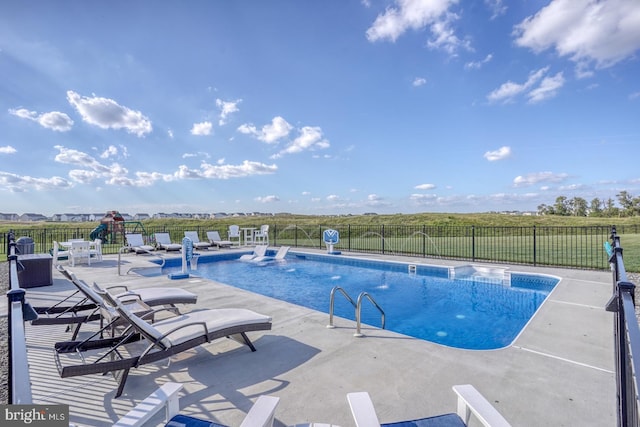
(476, 313)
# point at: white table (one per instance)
(248, 233)
(89, 245)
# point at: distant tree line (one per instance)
(577, 206)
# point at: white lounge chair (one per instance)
(469, 401)
(279, 256)
(85, 305)
(233, 235)
(163, 241)
(261, 414)
(258, 251)
(164, 338)
(216, 240)
(197, 244)
(136, 243)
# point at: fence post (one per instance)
(473, 242)
(534, 246)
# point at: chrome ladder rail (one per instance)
(332, 300)
(359, 310)
(357, 305)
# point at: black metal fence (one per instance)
(574, 247)
(626, 337)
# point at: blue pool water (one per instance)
(469, 314)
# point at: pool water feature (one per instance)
(421, 302)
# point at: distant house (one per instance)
(32, 217)
(9, 217)
(71, 217)
(141, 216)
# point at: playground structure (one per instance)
(113, 227)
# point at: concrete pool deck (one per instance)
(558, 372)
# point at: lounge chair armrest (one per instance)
(364, 414)
(164, 397)
(109, 288)
(155, 311)
(188, 325)
(262, 413)
(471, 401)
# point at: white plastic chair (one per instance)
(96, 250)
(261, 236)
(261, 414)
(233, 235)
(470, 401)
(57, 254)
(79, 250)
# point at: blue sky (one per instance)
(317, 107)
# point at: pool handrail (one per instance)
(332, 301)
(357, 305)
(361, 297)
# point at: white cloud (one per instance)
(271, 133)
(499, 154)
(444, 37)
(572, 187)
(478, 64)
(111, 151)
(425, 187)
(107, 114)
(53, 120)
(548, 88)
(538, 86)
(202, 128)
(497, 8)
(267, 199)
(373, 200)
(224, 171)
(419, 81)
(603, 32)
(538, 177)
(416, 15)
(310, 138)
(423, 199)
(333, 198)
(226, 108)
(79, 158)
(7, 149)
(84, 176)
(21, 183)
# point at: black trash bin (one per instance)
(25, 245)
